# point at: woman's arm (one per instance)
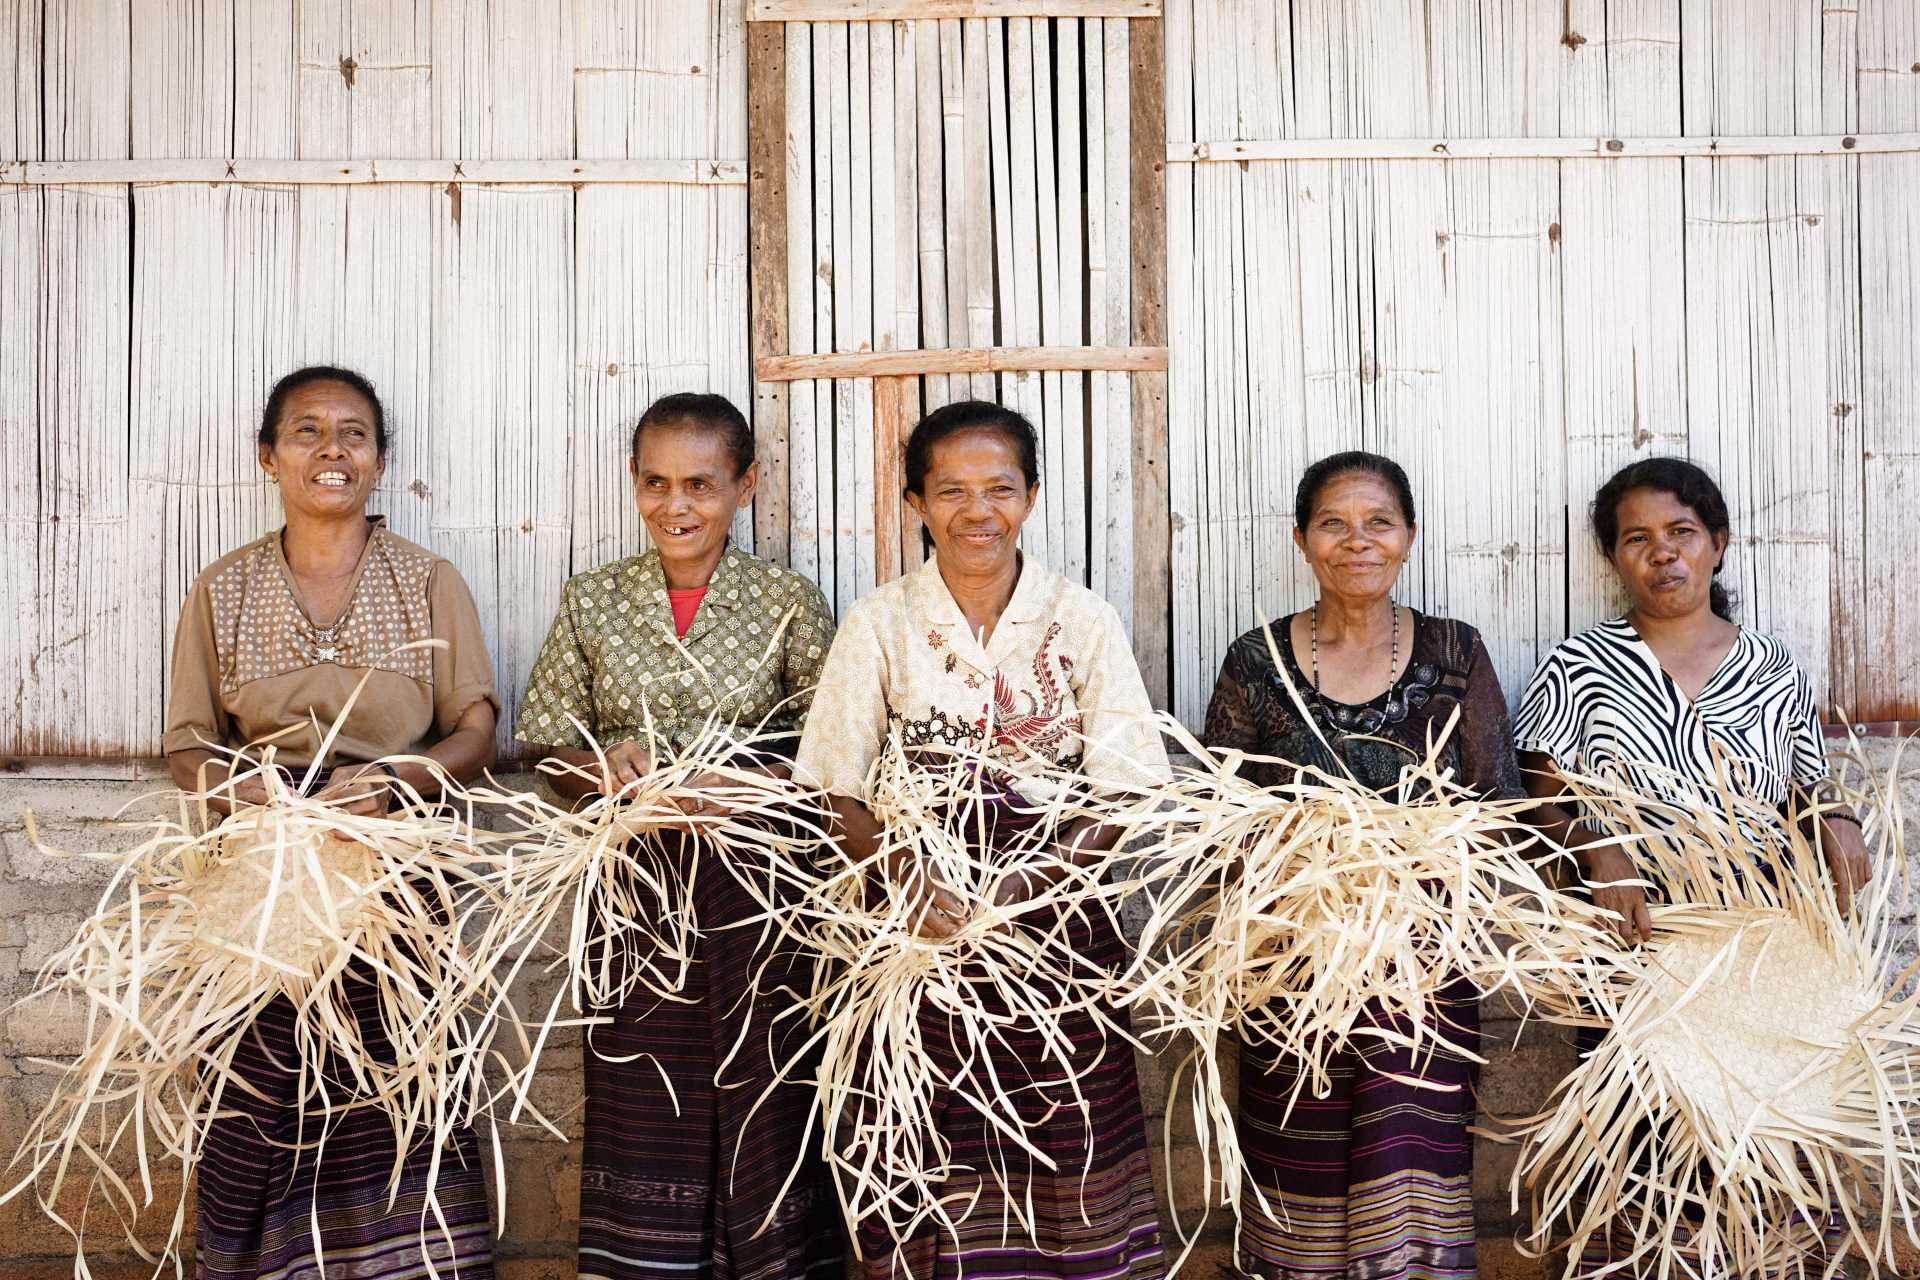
(1838, 835)
(463, 754)
(197, 769)
(857, 831)
(1602, 864)
(627, 763)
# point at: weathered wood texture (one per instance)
(515, 325)
(957, 204)
(1515, 326)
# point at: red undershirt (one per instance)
(685, 604)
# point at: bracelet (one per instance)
(1841, 815)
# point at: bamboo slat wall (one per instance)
(1515, 329)
(514, 331)
(253, 186)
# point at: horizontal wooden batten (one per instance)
(917, 10)
(249, 170)
(1539, 148)
(905, 364)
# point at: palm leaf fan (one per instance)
(1759, 1076)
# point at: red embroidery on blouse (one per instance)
(1038, 725)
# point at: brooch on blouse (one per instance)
(1408, 694)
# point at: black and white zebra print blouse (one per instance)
(1601, 702)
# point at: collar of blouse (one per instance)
(933, 605)
(647, 582)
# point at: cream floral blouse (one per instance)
(1056, 681)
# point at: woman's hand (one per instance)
(251, 790)
(1846, 850)
(1017, 887)
(627, 763)
(363, 790)
(938, 912)
(705, 801)
(1627, 901)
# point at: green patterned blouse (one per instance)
(611, 658)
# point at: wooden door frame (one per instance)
(1146, 361)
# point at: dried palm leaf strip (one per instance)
(1318, 915)
(600, 890)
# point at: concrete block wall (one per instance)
(43, 899)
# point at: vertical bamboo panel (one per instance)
(503, 312)
(1495, 534)
(65, 537)
(1840, 113)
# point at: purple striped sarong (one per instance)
(688, 1184)
(1095, 1214)
(263, 1184)
(1373, 1181)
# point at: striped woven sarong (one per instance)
(261, 1193)
(1373, 1181)
(1095, 1217)
(677, 1184)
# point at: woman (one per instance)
(1375, 1179)
(1673, 693)
(692, 630)
(979, 636)
(276, 636)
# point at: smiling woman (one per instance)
(987, 649)
(682, 1161)
(274, 637)
(1375, 1177)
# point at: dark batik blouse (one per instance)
(1372, 742)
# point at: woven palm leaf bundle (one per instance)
(606, 893)
(1318, 916)
(203, 924)
(1759, 1078)
(1009, 970)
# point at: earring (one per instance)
(272, 478)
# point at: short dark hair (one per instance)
(1690, 486)
(283, 391)
(703, 411)
(971, 415)
(1331, 468)
(962, 416)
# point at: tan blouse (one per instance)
(248, 661)
(612, 662)
(1057, 680)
